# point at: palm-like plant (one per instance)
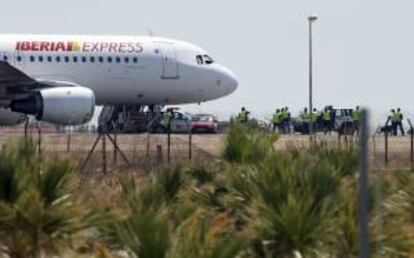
(145, 234)
(207, 236)
(39, 209)
(390, 241)
(344, 161)
(293, 208)
(244, 145)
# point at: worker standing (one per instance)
(314, 118)
(327, 120)
(283, 116)
(276, 120)
(304, 116)
(356, 118)
(167, 117)
(287, 117)
(394, 119)
(399, 119)
(243, 116)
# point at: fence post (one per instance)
(148, 146)
(412, 149)
(116, 143)
(39, 139)
(26, 125)
(159, 154)
(386, 148)
(411, 145)
(69, 139)
(169, 144)
(104, 150)
(190, 145)
(363, 187)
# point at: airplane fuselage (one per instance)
(122, 70)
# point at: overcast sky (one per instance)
(363, 49)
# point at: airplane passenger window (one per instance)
(49, 59)
(135, 59)
(101, 59)
(58, 59)
(92, 59)
(199, 59)
(75, 59)
(118, 59)
(66, 59)
(32, 59)
(40, 58)
(83, 59)
(19, 58)
(208, 59)
(109, 59)
(5, 58)
(126, 59)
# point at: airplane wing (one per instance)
(13, 81)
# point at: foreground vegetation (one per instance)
(255, 202)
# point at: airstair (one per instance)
(126, 119)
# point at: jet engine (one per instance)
(9, 118)
(61, 105)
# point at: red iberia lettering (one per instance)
(88, 47)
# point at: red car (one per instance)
(204, 123)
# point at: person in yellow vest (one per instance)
(243, 116)
(304, 116)
(286, 120)
(276, 119)
(356, 118)
(327, 120)
(393, 118)
(399, 119)
(167, 117)
(314, 115)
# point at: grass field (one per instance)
(244, 195)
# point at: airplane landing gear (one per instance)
(130, 119)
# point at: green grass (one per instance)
(256, 202)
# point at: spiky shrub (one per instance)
(39, 212)
(161, 221)
(344, 161)
(145, 234)
(245, 145)
(386, 235)
(292, 208)
(207, 236)
(200, 173)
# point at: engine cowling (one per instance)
(62, 105)
(9, 118)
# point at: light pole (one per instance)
(311, 19)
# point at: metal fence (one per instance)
(142, 152)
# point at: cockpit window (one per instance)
(208, 59)
(204, 59)
(199, 59)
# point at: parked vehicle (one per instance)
(342, 122)
(180, 123)
(204, 123)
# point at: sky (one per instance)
(363, 49)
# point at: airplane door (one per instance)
(169, 61)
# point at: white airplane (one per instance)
(60, 79)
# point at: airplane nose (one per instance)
(230, 80)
